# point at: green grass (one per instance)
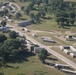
(49, 25)
(58, 41)
(32, 67)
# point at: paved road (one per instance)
(72, 64)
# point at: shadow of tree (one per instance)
(50, 58)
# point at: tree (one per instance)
(5, 11)
(38, 3)
(3, 23)
(10, 49)
(12, 34)
(22, 8)
(62, 14)
(45, 1)
(43, 13)
(61, 21)
(72, 15)
(44, 52)
(27, 11)
(32, 16)
(72, 5)
(37, 18)
(42, 55)
(30, 6)
(72, 21)
(9, 15)
(18, 15)
(2, 38)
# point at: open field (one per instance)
(32, 67)
(45, 43)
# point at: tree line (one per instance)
(64, 11)
(12, 49)
(52, 6)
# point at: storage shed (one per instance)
(68, 71)
(73, 55)
(25, 23)
(37, 49)
(62, 65)
(31, 46)
(64, 47)
(48, 40)
(66, 51)
(69, 51)
(69, 38)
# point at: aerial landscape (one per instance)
(37, 37)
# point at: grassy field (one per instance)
(32, 67)
(45, 43)
(45, 34)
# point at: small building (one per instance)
(61, 66)
(23, 40)
(5, 30)
(69, 51)
(25, 23)
(73, 55)
(31, 46)
(27, 41)
(6, 17)
(17, 34)
(64, 47)
(66, 51)
(27, 30)
(10, 20)
(5, 3)
(2, 28)
(61, 47)
(68, 71)
(34, 35)
(69, 38)
(3, 7)
(37, 49)
(48, 40)
(1, 10)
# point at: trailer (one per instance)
(73, 55)
(68, 71)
